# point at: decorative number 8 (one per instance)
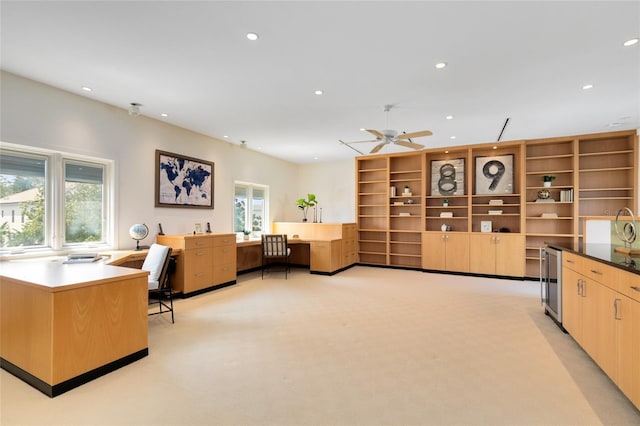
(447, 184)
(486, 170)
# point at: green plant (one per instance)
(548, 178)
(246, 232)
(305, 203)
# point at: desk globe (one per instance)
(138, 232)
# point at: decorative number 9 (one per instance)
(447, 184)
(493, 169)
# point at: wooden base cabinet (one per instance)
(208, 260)
(445, 251)
(603, 321)
(497, 254)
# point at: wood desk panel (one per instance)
(67, 324)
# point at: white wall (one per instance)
(38, 115)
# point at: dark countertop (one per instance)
(606, 253)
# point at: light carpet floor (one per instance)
(368, 346)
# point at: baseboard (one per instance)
(60, 388)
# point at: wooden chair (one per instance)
(159, 264)
(275, 248)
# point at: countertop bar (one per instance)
(606, 253)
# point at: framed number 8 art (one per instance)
(447, 177)
(494, 175)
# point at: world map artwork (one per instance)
(184, 182)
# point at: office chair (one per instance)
(160, 265)
(275, 247)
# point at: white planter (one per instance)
(547, 184)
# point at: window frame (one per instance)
(54, 203)
(250, 186)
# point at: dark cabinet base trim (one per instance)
(67, 385)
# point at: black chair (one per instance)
(160, 265)
(274, 249)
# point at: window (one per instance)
(62, 200)
(251, 209)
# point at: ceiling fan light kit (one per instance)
(391, 137)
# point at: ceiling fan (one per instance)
(385, 137)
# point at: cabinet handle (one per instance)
(616, 310)
(578, 287)
(570, 261)
(584, 288)
(200, 254)
(596, 272)
(633, 287)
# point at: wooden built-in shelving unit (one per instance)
(599, 170)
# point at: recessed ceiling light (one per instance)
(315, 158)
(225, 136)
(452, 137)
(446, 152)
(614, 124)
(449, 117)
(318, 92)
(362, 129)
(252, 36)
(495, 147)
(164, 114)
(441, 65)
(86, 89)
(630, 42)
(587, 87)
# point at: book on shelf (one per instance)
(549, 215)
(495, 211)
(404, 214)
(545, 200)
(398, 203)
(446, 214)
(566, 195)
(495, 202)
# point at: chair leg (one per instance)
(173, 321)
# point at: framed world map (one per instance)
(183, 181)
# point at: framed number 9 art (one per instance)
(494, 175)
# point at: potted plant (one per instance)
(246, 233)
(445, 202)
(547, 179)
(305, 203)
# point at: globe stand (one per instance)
(139, 247)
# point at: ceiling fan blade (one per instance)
(410, 144)
(378, 147)
(369, 140)
(415, 134)
(376, 133)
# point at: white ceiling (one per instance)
(191, 60)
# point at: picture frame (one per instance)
(485, 226)
(494, 175)
(447, 177)
(182, 181)
(197, 228)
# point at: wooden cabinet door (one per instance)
(590, 316)
(509, 255)
(434, 251)
(606, 343)
(628, 337)
(571, 306)
(457, 252)
(482, 254)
